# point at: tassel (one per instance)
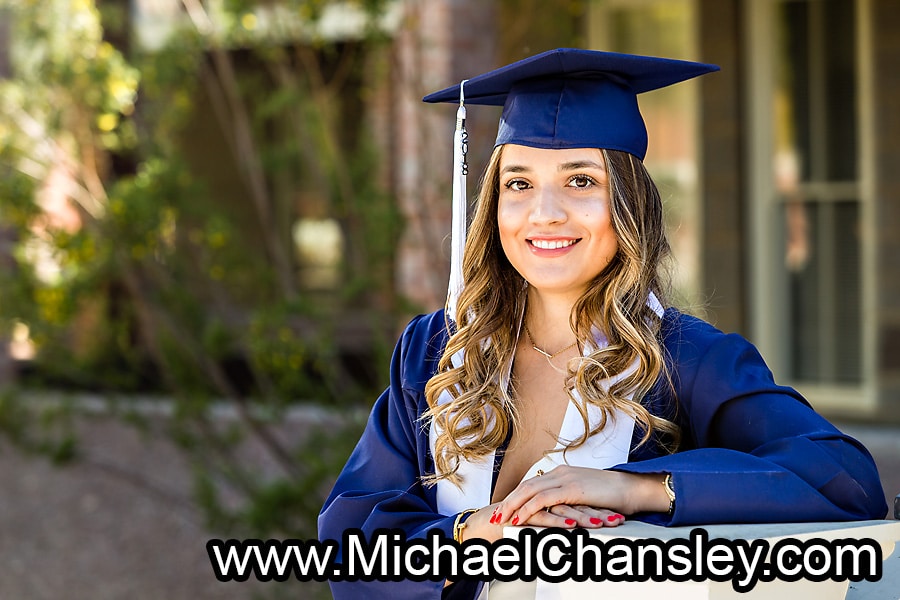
(460, 205)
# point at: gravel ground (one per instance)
(117, 524)
(120, 524)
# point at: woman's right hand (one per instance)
(484, 525)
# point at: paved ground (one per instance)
(120, 523)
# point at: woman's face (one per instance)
(553, 216)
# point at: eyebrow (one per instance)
(580, 164)
(567, 166)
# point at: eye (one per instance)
(581, 181)
(516, 185)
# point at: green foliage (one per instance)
(47, 431)
(285, 507)
(149, 197)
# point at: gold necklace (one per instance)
(544, 352)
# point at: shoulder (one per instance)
(420, 348)
(720, 365)
(690, 338)
(687, 338)
(697, 350)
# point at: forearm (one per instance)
(718, 485)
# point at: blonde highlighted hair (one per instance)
(481, 412)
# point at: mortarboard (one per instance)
(564, 98)
(572, 98)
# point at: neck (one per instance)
(548, 318)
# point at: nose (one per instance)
(547, 208)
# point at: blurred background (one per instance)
(217, 215)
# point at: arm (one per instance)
(379, 486)
(761, 453)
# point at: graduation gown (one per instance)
(751, 451)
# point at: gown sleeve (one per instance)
(758, 452)
(380, 487)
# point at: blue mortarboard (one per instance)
(573, 98)
(564, 98)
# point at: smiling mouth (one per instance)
(552, 244)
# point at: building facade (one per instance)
(780, 172)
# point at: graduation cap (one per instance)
(564, 98)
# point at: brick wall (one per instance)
(442, 42)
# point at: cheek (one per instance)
(606, 235)
(508, 222)
(599, 221)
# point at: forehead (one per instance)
(514, 155)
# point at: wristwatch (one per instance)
(670, 492)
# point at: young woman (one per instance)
(563, 391)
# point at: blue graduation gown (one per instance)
(751, 452)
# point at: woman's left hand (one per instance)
(582, 497)
(565, 515)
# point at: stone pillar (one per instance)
(723, 261)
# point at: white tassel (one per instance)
(460, 205)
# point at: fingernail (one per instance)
(620, 516)
(612, 518)
(596, 520)
(515, 520)
(570, 522)
(499, 518)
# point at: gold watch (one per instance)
(670, 492)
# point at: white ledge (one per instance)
(884, 533)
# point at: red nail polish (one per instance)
(570, 522)
(515, 520)
(596, 521)
(612, 518)
(499, 518)
(620, 516)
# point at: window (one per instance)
(808, 205)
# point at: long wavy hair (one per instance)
(482, 410)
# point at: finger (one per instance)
(591, 517)
(545, 518)
(581, 516)
(552, 497)
(511, 507)
(571, 516)
(565, 516)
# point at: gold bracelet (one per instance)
(670, 491)
(459, 524)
